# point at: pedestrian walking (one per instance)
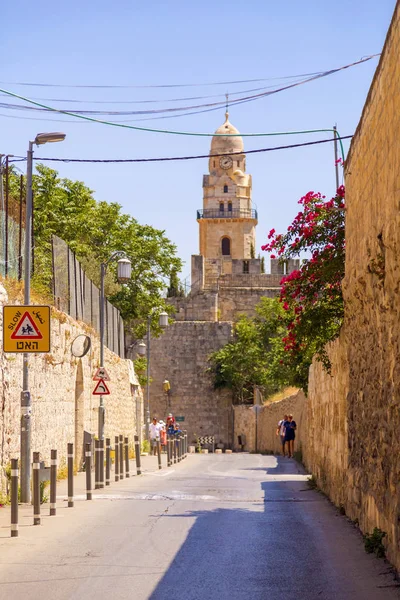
(154, 434)
(281, 432)
(290, 434)
(163, 434)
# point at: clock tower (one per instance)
(227, 221)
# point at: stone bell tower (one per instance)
(227, 221)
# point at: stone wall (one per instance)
(357, 410)
(180, 355)
(325, 447)
(233, 302)
(261, 422)
(61, 386)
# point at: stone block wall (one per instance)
(262, 422)
(180, 355)
(233, 302)
(357, 409)
(61, 386)
(325, 447)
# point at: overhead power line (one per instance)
(159, 86)
(172, 158)
(38, 106)
(171, 132)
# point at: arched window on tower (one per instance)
(226, 246)
(238, 163)
(225, 189)
(229, 206)
(221, 207)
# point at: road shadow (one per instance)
(259, 551)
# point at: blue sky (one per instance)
(177, 42)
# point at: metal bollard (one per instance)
(168, 451)
(174, 447)
(185, 438)
(70, 462)
(88, 470)
(96, 464)
(137, 455)
(179, 447)
(159, 452)
(53, 483)
(116, 457)
(121, 457)
(101, 463)
(36, 489)
(126, 443)
(108, 460)
(14, 497)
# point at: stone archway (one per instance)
(79, 416)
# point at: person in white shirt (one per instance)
(155, 429)
(281, 432)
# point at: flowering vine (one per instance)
(311, 295)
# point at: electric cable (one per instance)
(173, 158)
(209, 106)
(161, 86)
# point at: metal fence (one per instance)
(76, 295)
(12, 224)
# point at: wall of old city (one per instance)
(180, 355)
(258, 423)
(353, 416)
(61, 386)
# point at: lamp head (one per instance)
(45, 138)
(163, 320)
(141, 349)
(124, 270)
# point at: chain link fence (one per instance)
(76, 295)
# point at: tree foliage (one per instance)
(311, 296)
(246, 361)
(94, 230)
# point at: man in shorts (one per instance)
(281, 431)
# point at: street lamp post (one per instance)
(163, 322)
(26, 403)
(123, 275)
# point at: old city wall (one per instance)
(325, 443)
(259, 424)
(180, 356)
(61, 385)
(358, 463)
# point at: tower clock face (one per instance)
(225, 162)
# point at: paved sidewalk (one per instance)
(149, 464)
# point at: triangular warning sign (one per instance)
(101, 389)
(101, 373)
(26, 329)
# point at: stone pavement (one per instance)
(219, 527)
(149, 464)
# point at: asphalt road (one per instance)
(217, 527)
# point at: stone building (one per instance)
(226, 280)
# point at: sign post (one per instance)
(26, 329)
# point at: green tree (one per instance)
(245, 361)
(175, 288)
(94, 230)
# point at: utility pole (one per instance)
(335, 144)
(26, 404)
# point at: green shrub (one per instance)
(373, 542)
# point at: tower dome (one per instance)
(225, 144)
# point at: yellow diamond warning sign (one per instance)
(26, 328)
